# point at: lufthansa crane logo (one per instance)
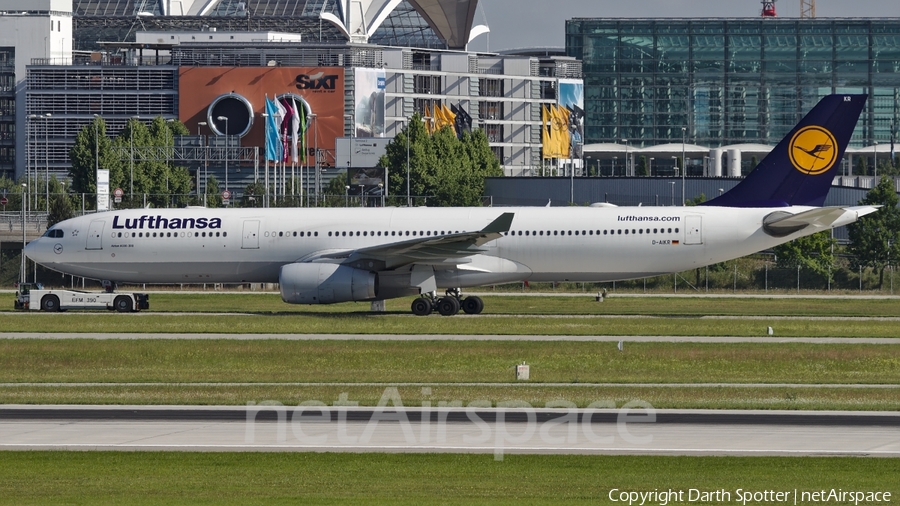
(813, 150)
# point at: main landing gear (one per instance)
(448, 305)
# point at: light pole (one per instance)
(96, 146)
(47, 159)
(265, 117)
(205, 163)
(875, 160)
(172, 157)
(572, 183)
(346, 195)
(362, 196)
(131, 129)
(315, 119)
(24, 213)
(684, 165)
(225, 119)
(408, 196)
(673, 192)
(33, 143)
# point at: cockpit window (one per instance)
(54, 232)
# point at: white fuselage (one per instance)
(543, 244)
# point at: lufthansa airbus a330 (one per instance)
(322, 256)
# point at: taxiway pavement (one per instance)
(455, 430)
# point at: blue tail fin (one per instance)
(799, 171)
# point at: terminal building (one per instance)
(715, 92)
(729, 83)
(206, 65)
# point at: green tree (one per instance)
(60, 209)
(886, 168)
(875, 238)
(89, 142)
(696, 201)
(446, 169)
(166, 184)
(148, 172)
(254, 195)
(642, 166)
(213, 193)
(813, 252)
(862, 167)
(12, 190)
(334, 192)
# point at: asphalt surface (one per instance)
(454, 430)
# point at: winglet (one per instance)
(499, 226)
(800, 170)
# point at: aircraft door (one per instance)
(693, 230)
(251, 235)
(95, 235)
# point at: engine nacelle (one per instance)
(325, 284)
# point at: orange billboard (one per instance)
(210, 94)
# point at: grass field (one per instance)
(229, 372)
(309, 478)
(577, 304)
(513, 315)
(320, 323)
(236, 372)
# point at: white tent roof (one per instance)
(749, 148)
(450, 19)
(879, 148)
(676, 148)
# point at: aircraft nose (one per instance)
(36, 250)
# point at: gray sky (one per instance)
(531, 23)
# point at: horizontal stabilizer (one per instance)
(781, 223)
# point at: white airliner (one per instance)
(322, 256)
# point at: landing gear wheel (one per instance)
(50, 303)
(448, 306)
(122, 304)
(472, 305)
(421, 307)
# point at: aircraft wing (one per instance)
(780, 223)
(434, 250)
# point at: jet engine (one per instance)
(325, 283)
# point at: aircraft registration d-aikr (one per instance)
(322, 256)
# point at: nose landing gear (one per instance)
(448, 305)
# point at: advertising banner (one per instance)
(369, 112)
(246, 88)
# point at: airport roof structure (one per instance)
(415, 23)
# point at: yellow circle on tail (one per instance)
(813, 150)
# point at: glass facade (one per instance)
(730, 81)
(7, 111)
